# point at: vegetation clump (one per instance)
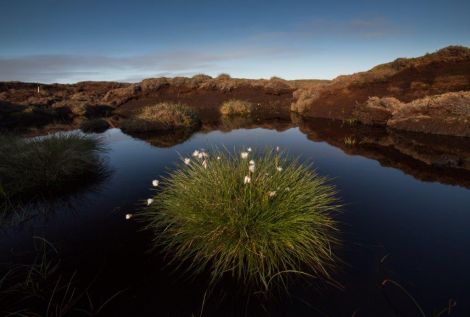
(236, 107)
(162, 117)
(269, 217)
(49, 165)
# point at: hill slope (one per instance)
(407, 79)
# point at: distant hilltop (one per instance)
(426, 94)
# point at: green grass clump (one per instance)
(255, 220)
(45, 166)
(162, 117)
(236, 107)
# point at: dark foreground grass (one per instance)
(43, 288)
(259, 218)
(42, 167)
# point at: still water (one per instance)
(406, 217)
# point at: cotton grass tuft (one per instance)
(258, 226)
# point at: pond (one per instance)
(406, 217)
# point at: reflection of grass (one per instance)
(349, 141)
(47, 166)
(162, 117)
(258, 221)
(236, 107)
(228, 123)
(351, 121)
(165, 138)
(98, 125)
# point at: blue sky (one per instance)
(71, 40)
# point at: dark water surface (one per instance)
(406, 196)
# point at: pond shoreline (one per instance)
(428, 94)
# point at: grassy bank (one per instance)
(162, 117)
(269, 217)
(236, 107)
(46, 166)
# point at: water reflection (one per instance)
(420, 224)
(431, 158)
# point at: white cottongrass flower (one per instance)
(251, 168)
(277, 148)
(218, 157)
(279, 168)
(249, 149)
(244, 155)
(247, 180)
(187, 161)
(149, 201)
(204, 163)
(196, 153)
(252, 162)
(204, 154)
(272, 193)
(129, 216)
(200, 155)
(155, 183)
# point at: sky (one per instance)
(66, 41)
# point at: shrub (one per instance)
(162, 117)
(267, 218)
(236, 107)
(44, 166)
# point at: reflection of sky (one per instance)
(67, 41)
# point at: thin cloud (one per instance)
(358, 27)
(70, 68)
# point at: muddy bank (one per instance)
(446, 114)
(408, 93)
(37, 105)
(429, 94)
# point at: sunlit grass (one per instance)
(236, 107)
(162, 117)
(45, 166)
(259, 217)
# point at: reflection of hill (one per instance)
(227, 124)
(428, 158)
(164, 138)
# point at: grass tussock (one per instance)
(236, 107)
(270, 217)
(162, 117)
(45, 166)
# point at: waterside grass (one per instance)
(46, 166)
(259, 217)
(236, 107)
(162, 117)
